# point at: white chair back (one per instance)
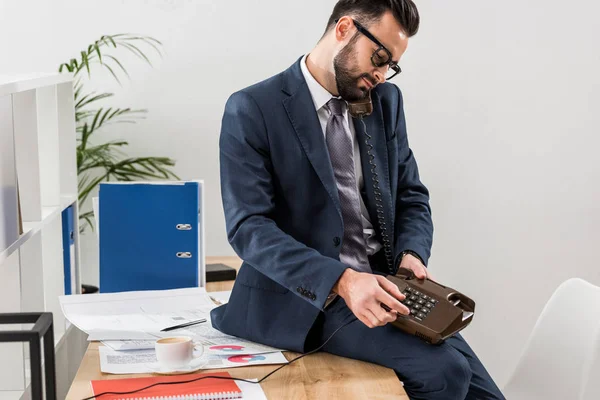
(563, 349)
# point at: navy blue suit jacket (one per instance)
(282, 208)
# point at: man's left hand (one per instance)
(414, 264)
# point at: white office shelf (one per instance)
(20, 83)
(38, 181)
(31, 228)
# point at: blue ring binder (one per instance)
(151, 236)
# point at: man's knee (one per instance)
(445, 377)
(457, 376)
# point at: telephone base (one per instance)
(436, 311)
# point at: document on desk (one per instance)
(134, 320)
(219, 343)
(251, 391)
(215, 342)
(122, 345)
(144, 361)
(135, 315)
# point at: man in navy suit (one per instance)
(320, 205)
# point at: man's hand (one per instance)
(414, 264)
(364, 294)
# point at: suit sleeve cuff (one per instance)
(317, 291)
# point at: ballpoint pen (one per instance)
(170, 328)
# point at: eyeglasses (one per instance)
(380, 57)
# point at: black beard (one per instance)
(345, 78)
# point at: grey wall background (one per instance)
(501, 103)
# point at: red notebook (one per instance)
(203, 389)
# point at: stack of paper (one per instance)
(129, 323)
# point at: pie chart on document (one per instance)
(245, 359)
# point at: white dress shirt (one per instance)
(320, 97)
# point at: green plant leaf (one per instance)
(97, 48)
(77, 90)
(99, 156)
(88, 218)
(113, 73)
(80, 115)
(109, 116)
(108, 161)
(94, 52)
(110, 40)
(84, 136)
(83, 180)
(119, 64)
(84, 61)
(129, 169)
(136, 51)
(149, 41)
(90, 98)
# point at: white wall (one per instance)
(500, 102)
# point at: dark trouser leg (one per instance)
(482, 385)
(450, 371)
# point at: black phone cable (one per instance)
(229, 378)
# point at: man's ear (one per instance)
(344, 29)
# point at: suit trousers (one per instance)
(447, 371)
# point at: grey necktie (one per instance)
(341, 153)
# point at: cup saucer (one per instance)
(194, 365)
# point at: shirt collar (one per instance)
(319, 94)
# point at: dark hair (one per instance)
(368, 12)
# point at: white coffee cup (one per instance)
(175, 351)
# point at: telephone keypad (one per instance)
(419, 303)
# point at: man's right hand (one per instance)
(364, 294)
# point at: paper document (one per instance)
(251, 391)
(100, 335)
(134, 320)
(121, 345)
(144, 361)
(142, 311)
(216, 342)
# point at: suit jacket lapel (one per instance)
(378, 156)
(304, 118)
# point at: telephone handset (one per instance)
(436, 311)
(361, 108)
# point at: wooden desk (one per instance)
(318, 376)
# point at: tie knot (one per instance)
(336, 106)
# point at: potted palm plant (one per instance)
(104, 161)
